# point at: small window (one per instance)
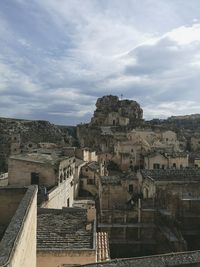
(174, 165)
(68, 202)
(130, 188)
(35, 178)
(86, 169)
(156, 166)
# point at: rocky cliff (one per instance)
(17, 135)
(112, 111)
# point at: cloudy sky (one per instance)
(58, 56)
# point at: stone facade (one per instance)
(52, 172)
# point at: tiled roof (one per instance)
(113, 180)
(65, 229)
(186, 174)
(102, 246)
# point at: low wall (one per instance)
(60, 258)
(18, 245)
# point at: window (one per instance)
(174, 165)
(34, 178)
(163, 166)
(156, 166)
(68, 202)
(130, 188)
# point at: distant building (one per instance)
(53, 173)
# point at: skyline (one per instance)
(57, 57)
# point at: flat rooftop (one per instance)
(181, 175)
(66, 229)
(44, 158)
(118, 177)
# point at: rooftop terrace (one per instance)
(51, 158)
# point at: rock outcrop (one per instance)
(110, 111)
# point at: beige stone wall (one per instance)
(86, 154)
(195, 143)
(25, 251)
(197, 162)
(4, 179)
(19, 173)
(61, 195)
(157, 159)
(148, 188)
(58, 259)
(166, 162)
(179, 162)
(113, 196)
(169, 136)
(147, 135)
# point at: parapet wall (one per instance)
(184, 259)
(14, 251)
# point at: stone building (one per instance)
(89, 177)
(112, 111)
(65, 238)
(53, 173)
(130, 227)
(159, 160)
(18, 209)
(177, 202)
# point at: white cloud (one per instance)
(69, 53)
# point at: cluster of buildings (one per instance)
(126, 192)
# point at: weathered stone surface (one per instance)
(112, 111)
